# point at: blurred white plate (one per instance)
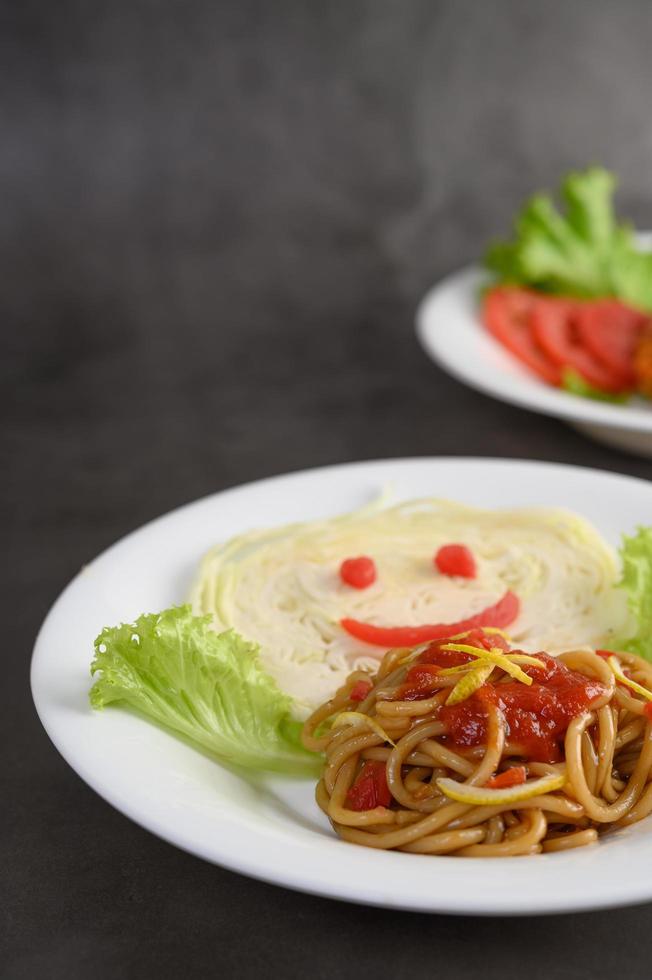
(269, 827)
(452, 333)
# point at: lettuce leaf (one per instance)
(574, 383)
(209, 687)
(583, 252)
(636, 556)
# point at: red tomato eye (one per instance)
(359, 573)
(456, 559)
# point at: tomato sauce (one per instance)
(421, 679)
(537, 716)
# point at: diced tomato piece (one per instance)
(420, 682)
(360, 690)
(553, 327)
(456, 559)
(501, 614)
(610, 331)
(510, 777)
(370, 788)
(647, 710)
(506, 313)
(605, 654)
(358, 572)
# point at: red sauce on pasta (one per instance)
(537, 716)
(421, 679)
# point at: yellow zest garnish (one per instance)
(524, 658)
(495, 631)
(355, 717)
(459, 636)
(499, 658)
(460, 669)
(469, 684)
(614, 663)
(490, 630)
(411, 652)
(515, 658)
(481, 796)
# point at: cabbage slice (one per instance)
(281, 587)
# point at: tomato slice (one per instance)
(501, 614)
(506, 313)
(554, 328)
(610, 331)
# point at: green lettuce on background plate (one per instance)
(582, 251)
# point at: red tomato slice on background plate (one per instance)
(554, 329)
(507, 314)
(610, 331)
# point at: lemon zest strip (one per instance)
(499, 658)
(482, 796)
(516, 658)
(614, 663)
(355, 717)
(470, 683)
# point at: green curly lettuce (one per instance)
(636, 557)
(575, 384)
(209, 687)
(582, 251)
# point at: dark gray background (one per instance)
(216, 220)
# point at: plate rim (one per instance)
(292, 878)
(529, 393)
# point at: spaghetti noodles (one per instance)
(535, 754)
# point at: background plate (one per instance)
(451, 332)
(267, 826)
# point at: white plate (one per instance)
(269, 827)
(451, 331)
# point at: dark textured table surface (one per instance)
(216, 221)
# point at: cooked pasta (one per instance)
(469, 747)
